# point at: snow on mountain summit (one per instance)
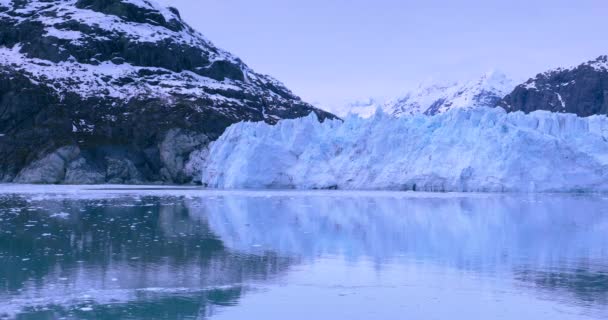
(88, 46)
(432, 98)
(439, 98)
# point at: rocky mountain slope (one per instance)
(118, 91)
(582, 90)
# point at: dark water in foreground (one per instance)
(85, 253)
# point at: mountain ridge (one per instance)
(431, 98)
(581, 89)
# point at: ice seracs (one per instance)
(480, 149)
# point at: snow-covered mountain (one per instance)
(481, 149)
(434, 99)
(118, 91)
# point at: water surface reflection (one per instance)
(181, 254)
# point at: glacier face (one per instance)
(479, 149)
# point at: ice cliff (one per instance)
(461, 150)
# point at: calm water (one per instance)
(94, 253)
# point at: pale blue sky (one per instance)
(332, 50)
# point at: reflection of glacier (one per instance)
(476, 232)
(190, 251)
(553, 243)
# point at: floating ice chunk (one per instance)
(61, 215)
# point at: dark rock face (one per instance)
(132, 12)
(582, 90)
(119, 91)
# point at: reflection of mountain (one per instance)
(144, 256)
(587, 286)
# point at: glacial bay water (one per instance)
(115, 252)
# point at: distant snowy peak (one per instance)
(580, 90)
(434, 99)
(364, 108)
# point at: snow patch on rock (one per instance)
(600, 64)
(88, 80)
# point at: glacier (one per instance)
(462, 150)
